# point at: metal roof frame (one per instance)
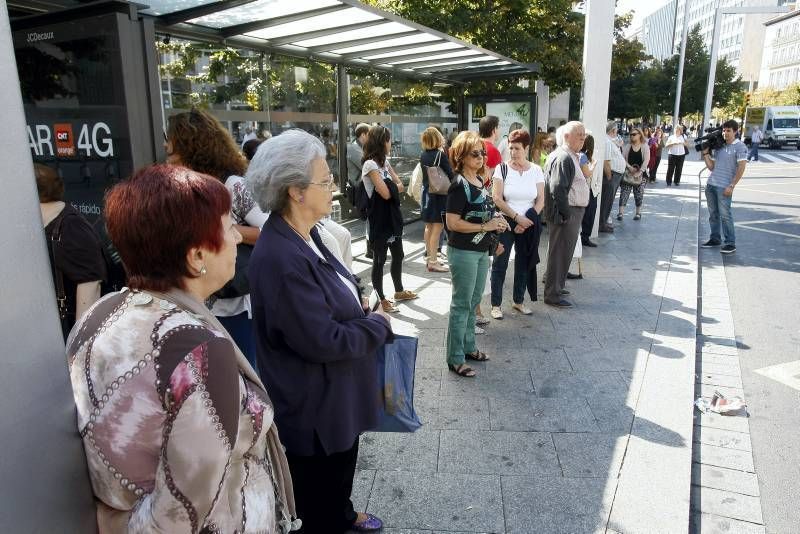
(188, 23)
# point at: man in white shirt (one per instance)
(755, 139)
(613, 167)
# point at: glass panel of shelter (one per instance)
(249, 90)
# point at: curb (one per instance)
(725, 491)
(655, 480)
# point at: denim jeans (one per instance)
(719, 211)
(468, 274)
(521, 274)
(753, 152)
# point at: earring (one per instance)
(302, 199)
(203, 270)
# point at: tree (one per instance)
(695, 76)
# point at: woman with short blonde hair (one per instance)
(433, 205)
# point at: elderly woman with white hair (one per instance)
(315, 338)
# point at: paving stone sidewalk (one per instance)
(582, 420)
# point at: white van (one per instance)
(779, 124)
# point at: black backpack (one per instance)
(363, 203)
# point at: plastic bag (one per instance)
(396, 362)
(415, 186)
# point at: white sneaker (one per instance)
(497, 313)
(479, 330)
(521, 308)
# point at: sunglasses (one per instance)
(478, 153)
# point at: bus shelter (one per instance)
(97, 80)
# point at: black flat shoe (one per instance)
(571, 276)
(560, 304)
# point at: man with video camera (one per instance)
(727, 167)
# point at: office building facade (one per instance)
(781, 64)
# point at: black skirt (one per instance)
(433, 206)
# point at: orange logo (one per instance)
(65, 143)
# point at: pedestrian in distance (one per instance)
(315, 334)
(76, 255)
(565, 203)
(489, 130)
(756, 137)
(613, 167)
(174, 419)
(588, 164)
(677, 146)
(471, 231)
(543, 144)
(656, 144)
(637, 157)
(355, 151)
(518, 192)
(433, 205)
(383, 186)
(197, 140)
(727, 166)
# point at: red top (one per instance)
(493, 159)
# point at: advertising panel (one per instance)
(71, 79)
(510, 109)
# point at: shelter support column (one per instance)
(342, 111)
(43, 467)
(598, 36)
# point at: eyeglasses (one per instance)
(328, 184)
(478, 153)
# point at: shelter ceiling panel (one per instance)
(261, 10)
(163, 7)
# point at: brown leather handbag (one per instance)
(438, 182)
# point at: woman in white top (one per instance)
(677, 146)
(518, 192)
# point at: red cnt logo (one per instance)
(65, 143)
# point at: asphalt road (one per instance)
(763, 279)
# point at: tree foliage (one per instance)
(649, 88)
(547, 32)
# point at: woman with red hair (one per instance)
(177, 427)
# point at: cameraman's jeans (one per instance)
(719, 211)
(753, 152)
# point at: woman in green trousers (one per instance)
(472, 230)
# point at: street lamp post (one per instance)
(712, 67)
(681, 61)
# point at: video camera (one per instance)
(712, 140)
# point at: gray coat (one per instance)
(560, 173)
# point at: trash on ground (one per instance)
(719, 403)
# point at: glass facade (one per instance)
(256, 93)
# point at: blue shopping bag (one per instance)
(396, 361)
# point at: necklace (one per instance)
(308, 238)
(473, 179)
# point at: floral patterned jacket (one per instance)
(174, 435)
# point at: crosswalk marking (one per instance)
(773, 157)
